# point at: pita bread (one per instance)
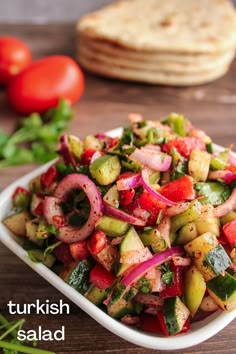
(156, 65)
(153, 77)
(188, 26)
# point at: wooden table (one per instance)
(105, 105)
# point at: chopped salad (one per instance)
(143, 225)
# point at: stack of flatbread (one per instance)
(169, 42)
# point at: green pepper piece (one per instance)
(215, 192)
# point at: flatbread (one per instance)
(188, 26)
(156, 65)
(114, 49)
(153, 77)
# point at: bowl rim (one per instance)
(208, 328)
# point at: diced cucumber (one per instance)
(75, 146)
(21, 200)
(48, 260)
(77, 276)
(218, 162)
(31, 227)
(95, 295)
(118, 306)
(194, 289)
(35, 184)
(217, 259)
(189, 215)
(207, 221)
(106, 169)
(175, 314)
(198, 248)
(16, 223)
(230, 216)
(91, 142)
(112, 227)
(199, 165)
(131, 242)
(223, 290)
(153, 238)
(187, 233)
(215, 192)
(42, 232)
(112, 196)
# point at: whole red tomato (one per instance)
(44, 82)
(14, 57)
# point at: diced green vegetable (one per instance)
(175, 314)
(16, 223)
(199, 165)
(230, 216)
(152, 237)
(217, 259)
(112, 196)
(215, 192)
(106, 169)
(223, 290)
(112, 227)
(91, 142)
(194, 289)
(31, 230)
(218, 162)
(207, 221)
(189, 215)
(78, 276)
(177, 123)
(95, 295)
(37, 255)
(187, 233)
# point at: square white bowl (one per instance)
(200, 331)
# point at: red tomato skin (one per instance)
(43, 83)
(62, 253)
(97, 242)
(149, 323)
(184, 145)
(100, 277)
(87, 156)
(15, 56)
(229, 230)
(79, 250)
(177, 287)
(50, 176)
(179, 190)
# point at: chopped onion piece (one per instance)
(225, 175)
(227, 206)
(126, 183)
(157, 161)
(146, 185)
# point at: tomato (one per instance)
(79, 250)
(87, 156)
(126, 197)
(149, 323)
(179, 189)
(184, 145)
(43, 83)
(100, 277)
(177, 286)
(15, 56)
(62, 253)
(146, 202)
(229, 230)
(97, 242)
(50, 176)
(19, 190)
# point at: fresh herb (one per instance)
(144, 285)
(130, 294)
(35, 138)
(32, 257)
(159, 217)
(117, 293)
(126, 139)
(216, 193)
(64, 169)
(51, 229)
(51, 248)
(11, 345)
(167, 277)
(138, 307)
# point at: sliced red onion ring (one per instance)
(67, 233)
(52, 211)
(121, 215)
(227, 206)
(146, 185)
(65, 152)
(159, 258)
(226, 175)
(177, 209)
(151, 147)
(157, 161)
(126, 183)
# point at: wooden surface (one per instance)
(105, 105)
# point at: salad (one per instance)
(143, 225)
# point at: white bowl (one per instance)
(200, 331)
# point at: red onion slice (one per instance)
(67, 233)
(225, 175)
(177, 209)
(146, 185)
(52, 211)
(157, 161)
(126, 183)
(159, 258)
(65, 152)
(121, 215)
(227, 206)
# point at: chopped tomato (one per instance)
(177, 286)
(86, 156)
(149, 323)
(184, 145)
(147, 202)
(97, 242)
(19, 190)
(50, 176)
(100, 277)
(39, 208)
(230, 232)
(62, 253)
(162, 324)
(79, 250)
(126, 197)
(179, 189)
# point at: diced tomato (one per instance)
(39, 208)
(229, 230)
(50, 176)
(62, 253)
(111, 142)
(177, 286)
(100, 277)
(179, 189)
(97, 242)
(86, 156)
(147, 202)
(19, 190)
(126, 197)
(184, 145)
(149, 323)
(79, 250)
(162, 324)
